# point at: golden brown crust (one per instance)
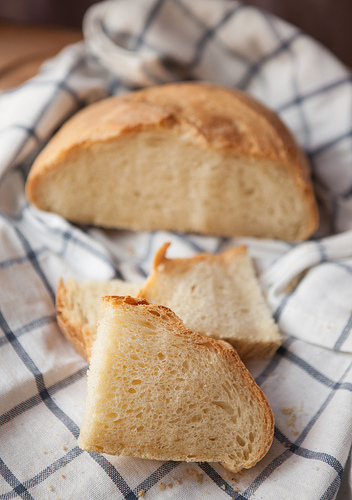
(184, 264)
(220, 347)
(222, 117)
(217, 117)
(161, 259)
(70, 330)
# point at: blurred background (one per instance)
(32, 30)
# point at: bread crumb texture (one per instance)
(160, 391)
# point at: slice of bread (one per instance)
(77, 309)
(186, 157)
(216, 295)
(157, 390)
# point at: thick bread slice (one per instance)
(186, 157)
(77, 309)
(157, 390)
(216, 295)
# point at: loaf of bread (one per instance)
(77, 309)
(157, 390)
(216, 295)
(186, 157)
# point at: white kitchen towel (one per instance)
(131, 44)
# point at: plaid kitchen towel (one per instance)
(127, 45)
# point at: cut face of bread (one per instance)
(216, 295)
(186, 157)
(157, 390)
(77, 309)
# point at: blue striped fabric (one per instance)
(308, 382)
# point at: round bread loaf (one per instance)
(186, 157)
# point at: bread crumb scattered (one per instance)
(169, 485)
(161, 486)
(64, 447)
(43, 451)
(199, 477)
(231, 477)
(223, 487)
(142, 493)
(177, 481)
(50, 487)
(63, 476)
(292, 416)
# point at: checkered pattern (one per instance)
(129, 44)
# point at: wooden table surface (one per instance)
(23, 48)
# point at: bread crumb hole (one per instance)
(161, 356)
(240, 440)
(111, 415)
(154, 313)
(251, 437)
(131, 390)
(136, 382)
(130, 300)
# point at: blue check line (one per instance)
(156, 476)
(334, 486)
(328, 145)
(47, 472)
(35, 263)
(18, 488)
(209, 34)
(32, 257)
(344, 334)
(68, 235)
(272, 365)
(37, 323)
(304, 123)
(114, 475)
(220, 481)
(149, 19)
(255, 67)
(36, 399)
(5, 264)
(282, 351)
(29, 130)
(295, 448)
(314, 93)
(332, 489)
